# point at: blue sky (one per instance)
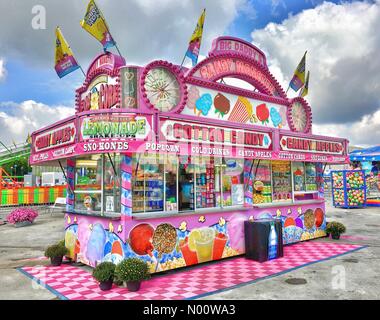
(40, 83)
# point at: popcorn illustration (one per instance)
(183, 226)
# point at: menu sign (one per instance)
(54, 138)
(288, 143)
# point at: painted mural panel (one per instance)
(207, 103)
(184, 240)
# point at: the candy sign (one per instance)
(288, 143)
(198, 133)
(55, 138)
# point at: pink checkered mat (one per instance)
(74, 283)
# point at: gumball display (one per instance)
(349, 188)
(354, 179)
(339, 197)
(355, 197)
(337, 179)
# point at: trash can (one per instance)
(263, 239)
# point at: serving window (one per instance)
(281, 181)
(185, 183)
(262, 184)
(97, 184)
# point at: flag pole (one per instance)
(184, 57)
(108, 29)
(117, 48)
(80, 67)
(183, 60)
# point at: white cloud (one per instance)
(3, 71)
(343, 43)
(365, 132)
(19, 119)
(144, 29)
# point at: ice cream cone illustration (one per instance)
(242, 111)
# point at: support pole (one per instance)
(64, 174)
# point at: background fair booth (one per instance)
(166, 163)
(369, 161)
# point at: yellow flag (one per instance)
(95, 24)
(196, 39)
(298, 79)
(64, 57)
(28, 139)
(305, 88)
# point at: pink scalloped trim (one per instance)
(178, 73)
(308, 114)
(242, 57)
(236, 91)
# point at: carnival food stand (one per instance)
(369, 160)
(166, 163)
(349, 188)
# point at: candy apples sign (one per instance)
(56, 137)
(288, 143)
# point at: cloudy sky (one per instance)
(341, 37)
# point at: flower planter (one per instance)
(22, 224)
(335, 236)
(133, 285)
(105, 285)
(56, 261)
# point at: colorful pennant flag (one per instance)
(304, 91)
(298, 79)
(95, 24)
(64, 57)
(196, 39)
(28, 139)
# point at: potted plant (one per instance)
(335, 229)
(21, 217)
(132, 271)
(104, 274)
(56, 252)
